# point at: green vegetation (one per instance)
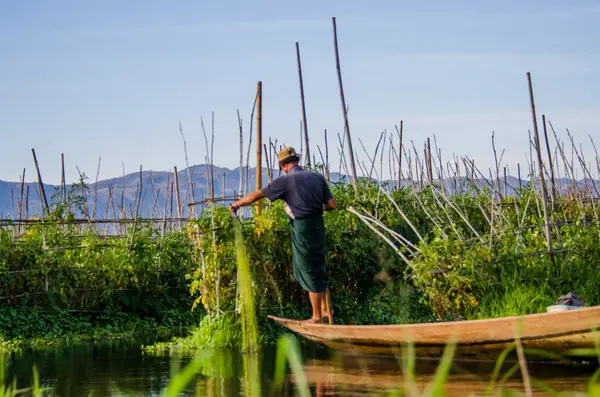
(509, 271)
(460, 255)
(59, 284)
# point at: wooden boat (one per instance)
(559, 332)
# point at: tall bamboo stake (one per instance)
(96, 188)
(241, 182)
(552, 179)
(429, 164)
(187, 165)
(177, 200)
(327, 157)
(27, 203)
(258, 140)
(400, 154)
(167, 193)
(21, 192)
(63, 189)
(304, 124)
(540, 165)
(344, 110)
(41, 184)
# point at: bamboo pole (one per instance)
(27, 202)
(269, 174)
(177, 199)
(429, 163)
(304, 124)
(20, 204)
(96, 188)
(327, 157)
(212, 148)
(344, 110)
(63, 188)
(12, 203)
(41, 184)
(187, 165)
(241, 181)
(258, 140)
(247, 184)
(400, 154)
(540, 165)
(552, 179)
(139, 200)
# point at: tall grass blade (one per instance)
(436, 387)
(545, 387)
(408, 369)
(182, 378)
(247, 306)
(498, 367)
(287, 347)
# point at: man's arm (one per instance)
(247, 200)
(330, 205)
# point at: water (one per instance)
(120, 368)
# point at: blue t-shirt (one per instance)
(303, 192)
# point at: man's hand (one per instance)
(247, 200)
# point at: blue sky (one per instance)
(113, 79)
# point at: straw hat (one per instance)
(287, 153)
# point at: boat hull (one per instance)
(560, 332)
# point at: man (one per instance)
(305, 195)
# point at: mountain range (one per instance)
(157, 188)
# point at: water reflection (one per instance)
(373, 375)
(120, 368)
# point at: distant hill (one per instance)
(124, 189)
(155, 185)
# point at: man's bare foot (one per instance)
(313, 321)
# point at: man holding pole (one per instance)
(305, 195)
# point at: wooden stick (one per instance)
(212, 148)
(269, 175)
(139, 200)
(27, 203)
(304, 124)
(63, 188)
(414, 229)
(400, 153)
(343, 162)
(381, 156)
(258, 140)
(96, 188)
(177, 200)
(241, 182)
(430, 166)
(246, 187)
(345, 112)
(541, 166)
(384, 237)
(553, 181)
(187, 165)
(327, 158)
(21, 193)
(41, 184)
